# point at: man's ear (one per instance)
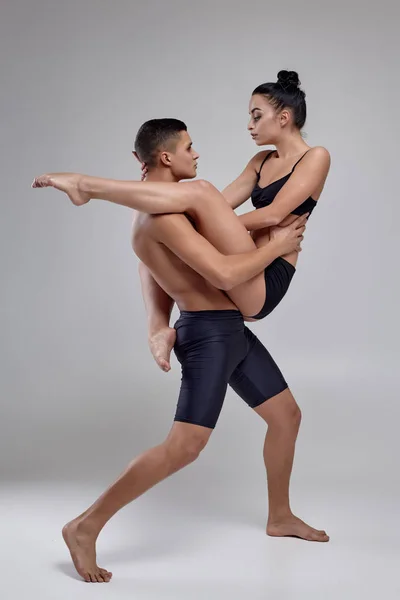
(165, 159)
(136, 156)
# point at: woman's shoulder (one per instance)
(258, 158)
(318, 159)
(314, 153)
(319, 152)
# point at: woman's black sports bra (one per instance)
(262, 197)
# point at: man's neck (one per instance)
(164, 175)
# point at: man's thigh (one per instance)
(257, 378)
(209, 348)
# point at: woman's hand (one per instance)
(144, 168)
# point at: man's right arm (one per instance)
(224, 272)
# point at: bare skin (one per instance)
(81, 544)
(184, 443)
(198, 199)
(282, 433)
(191, 292)
(161, 337)
(153, 239)
(69, 183)
(161, 345)
(181, 447)
(267, 126)
(281, 413)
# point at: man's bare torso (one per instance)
(189, 289)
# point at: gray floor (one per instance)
(201, 533)
(184, 549)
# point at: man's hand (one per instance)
(291, 236)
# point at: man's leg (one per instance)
(283, 417)
(217, 345)
(261, 384)
(182, 446)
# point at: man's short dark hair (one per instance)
(156, 135)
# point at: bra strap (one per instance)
(301, 158)
(262, 164)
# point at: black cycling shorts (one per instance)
(215, 349)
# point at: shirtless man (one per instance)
(215, 349)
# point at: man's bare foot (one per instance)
(292, 526)
(161, 344)
(69, 183)
(82, 546)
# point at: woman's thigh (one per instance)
(220, 225)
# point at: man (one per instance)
(213, 345)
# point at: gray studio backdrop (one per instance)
(80, 394)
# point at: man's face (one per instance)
(183, 160)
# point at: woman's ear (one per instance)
(284, 117)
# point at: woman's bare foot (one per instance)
(294, 527)
(69, 183)
(161, 344)
(82, 546)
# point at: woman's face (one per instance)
(264, 125)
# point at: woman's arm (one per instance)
(307, 179)
(237, 192)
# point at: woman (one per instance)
(283, 183)
(278, 193)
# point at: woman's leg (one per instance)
(152, 197)
(214, 218)
(158, 304)
(218, 223)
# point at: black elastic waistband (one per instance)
(211, 314)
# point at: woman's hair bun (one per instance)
(288, 78)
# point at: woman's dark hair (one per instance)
(286, 93)
(156, 135)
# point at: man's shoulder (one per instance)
(141, 229)
(170, 221)
(159, 227)
(140, 222)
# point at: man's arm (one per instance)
(308, 177)
(224, 272)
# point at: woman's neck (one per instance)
(291, 145)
